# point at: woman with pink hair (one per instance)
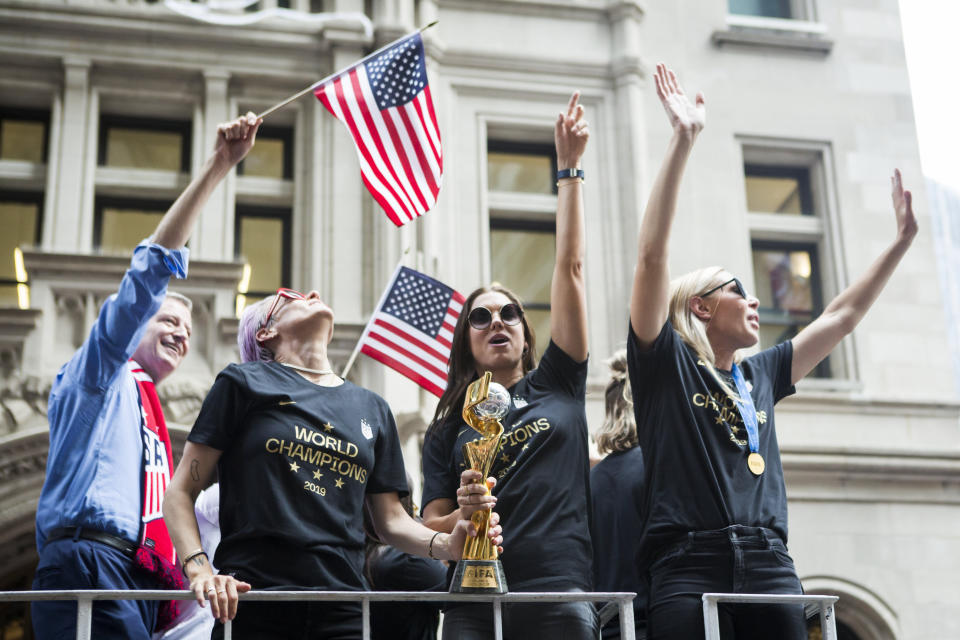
(298, 451)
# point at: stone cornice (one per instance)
(871, 476)
(582, 10)
(44, 265)
(15, 324)
(280, 49)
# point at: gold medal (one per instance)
(756, 464)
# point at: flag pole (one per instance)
(366, 329)
(300, 94)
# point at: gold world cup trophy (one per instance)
(479, 570)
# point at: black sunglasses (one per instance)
(740, 289)
(481, 317)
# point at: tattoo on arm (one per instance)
(195, 470)
(198, 559)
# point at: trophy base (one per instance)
(479, 576)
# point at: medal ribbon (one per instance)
(747, 411)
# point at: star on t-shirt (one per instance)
(339, 483)
(328, 426)
(294, 467)
(316, 474)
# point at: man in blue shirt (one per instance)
(99, 522)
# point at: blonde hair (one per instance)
(691, 328)
(619, 429)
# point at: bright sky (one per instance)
(932, 42)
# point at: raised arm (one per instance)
(194, 474)
(844, 312)
(651, 279)
(568, 298)
(234, 141)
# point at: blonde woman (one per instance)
(715, 504)
(616, 488)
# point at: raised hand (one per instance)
(685, 116)
(570, 134)
(903, 208)
(236, 138)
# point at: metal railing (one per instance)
(621, 603)
(811, 605)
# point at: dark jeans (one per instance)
(548, 620)
(295, 621)
(736, 559)
(85, 564)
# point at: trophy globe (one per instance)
(496, 405)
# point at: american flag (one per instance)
(385, 103)
(412, 328)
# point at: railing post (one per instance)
(84, 617)
(711, 619)
(828, 626)
(228, 630)
(497, 620)
(627, 630)
(365, 609)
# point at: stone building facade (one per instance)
(107, 107)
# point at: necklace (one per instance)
(319, 372)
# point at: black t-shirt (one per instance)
(616, 484)
(695, 444)
(298, 460)
(542, 472)
(393, 570)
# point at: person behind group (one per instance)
(543, 467)
(298, 452)
(715, 504)
(195, 621)
(389, 569)
(616, 486)
(98, 522)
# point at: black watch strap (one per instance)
(570, 173)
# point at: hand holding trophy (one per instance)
(479, 570)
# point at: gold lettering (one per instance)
(274, 442)
(699, 400)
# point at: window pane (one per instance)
(784, 281)
(144, 149)
(8, 295)
(525, 172)
(19, 223)
(261, 245)
(123, 229)
(22, 140)
(764, 8)
(539, 321)
(770, 194)
(266, 159)
(523, 262)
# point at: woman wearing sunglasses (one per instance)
(298, 451)
(715, 503)
(542, 470)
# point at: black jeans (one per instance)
(523, 621)
(736, 559)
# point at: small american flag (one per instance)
(412, 328)
(385, 103)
